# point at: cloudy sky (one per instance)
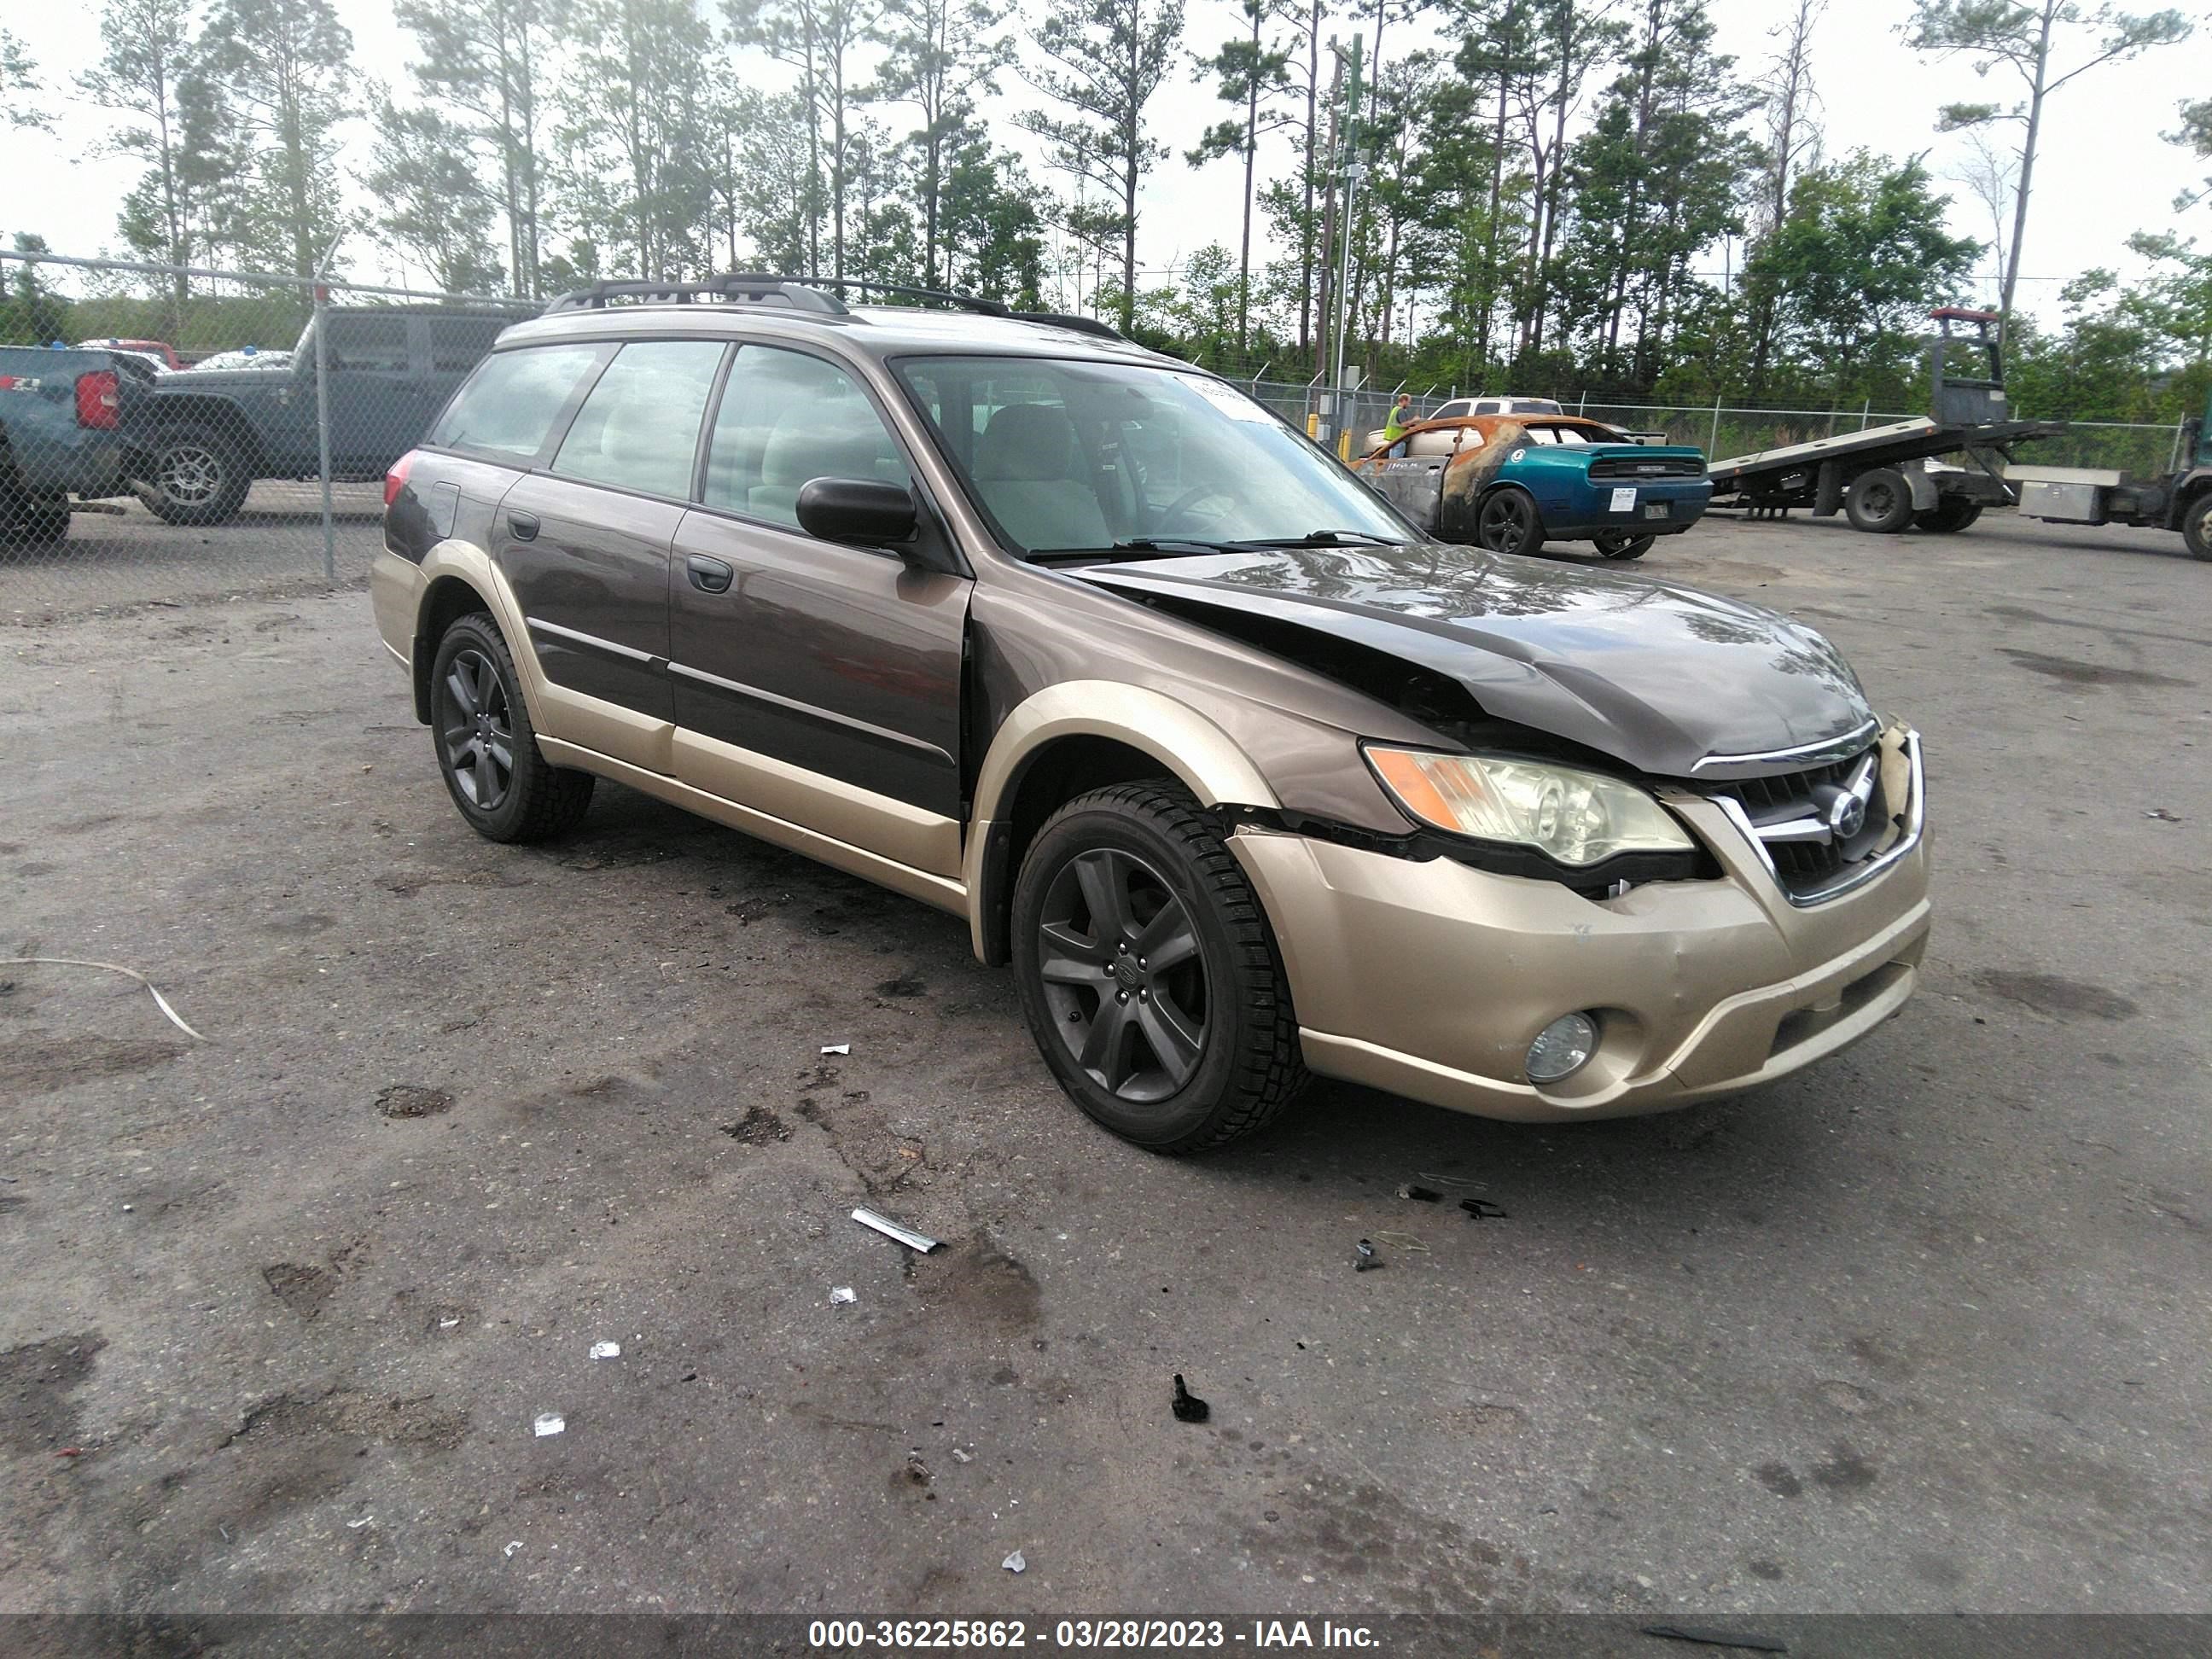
(2103, 171)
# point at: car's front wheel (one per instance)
(487, 750)
(1148, 974)
(1507, 522)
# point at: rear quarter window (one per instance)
(507, 407)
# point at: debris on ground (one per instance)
(2162, 815)
(890, 1229)
(509, 1551)
(160, 1001)
(549, 1423)
(916, 1470)
(1368, 1259)
(1188, 1407)
(758, 1128)
(1716, 1638)
(841, 1294)
(412, 1100)
(1481, 1209)
(606, 1350)
(959, 1456)
(1420, 1194)
(1405, 1243)
(356, 1526)
(1014, 1563)
(1449, 1181)
(836, 1048)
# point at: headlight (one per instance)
(1575, 817)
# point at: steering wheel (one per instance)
(1166, 525)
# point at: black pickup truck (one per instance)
(205, 436)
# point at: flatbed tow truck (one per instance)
(1880, 478)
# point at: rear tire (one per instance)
(487, 749)
(1879, 503)
(2196, 526)
(195, 476)
(1950, 513)
(1148, 974)
(33, 521)
(1620, 544)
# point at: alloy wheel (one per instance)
(1506, 523)
(477, 730)
(189, 474)
(1124, 974)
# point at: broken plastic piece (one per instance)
(511, 1548)
(160, 1001)
(1481, 1209)
(1014, 1563)
(1420, 1194)
(1188, 1407)
(1368, 1259)
(839, 1293)
(890, 1229)
(959, 1456)
(356, 1526)
(1716, 1638)
(836, 1048)
(606, 1350)
(549, 1423)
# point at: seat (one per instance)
(800, 450)
(1030, 474)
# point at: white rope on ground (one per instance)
(160, 1001)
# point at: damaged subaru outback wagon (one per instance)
(1244, 777)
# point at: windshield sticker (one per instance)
(1233, 404)
(1624, 500)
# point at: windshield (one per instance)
(1086, 457)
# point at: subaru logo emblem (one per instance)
(1846, 817)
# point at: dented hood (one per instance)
(1657, 676)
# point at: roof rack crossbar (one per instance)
(743, 287)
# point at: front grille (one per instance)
(1772, 802)
(1660, 466)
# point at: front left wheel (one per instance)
(487, 750)
(1148, 974)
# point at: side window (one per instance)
(509, 405)
(639, 430)
(457, 343)
(360, 341)
(787, 418)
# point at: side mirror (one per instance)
(863, 510)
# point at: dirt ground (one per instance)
(1923, 1329)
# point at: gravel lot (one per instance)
(1922, 1330)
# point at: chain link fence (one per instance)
(171, 435)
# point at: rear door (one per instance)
(375, 393)
(841, 661)
(584, 540)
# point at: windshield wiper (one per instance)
(1142, 544)
(1320, 538)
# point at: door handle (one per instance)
(709, 576)
(523, 526)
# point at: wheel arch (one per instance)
(1069, 740)
(458, 579)
(226, 420)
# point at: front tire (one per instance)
(1879, 503)
(196, 477)
(487, 749)
(1507, 522)
(1148, 974)
(2196, 526)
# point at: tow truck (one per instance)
(1882, 478)
(2181, 499)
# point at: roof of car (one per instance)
(875, 330)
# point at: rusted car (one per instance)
(1511, 482)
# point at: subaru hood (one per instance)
(1659, 677)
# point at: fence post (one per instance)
(323, 429)
(1712, 442)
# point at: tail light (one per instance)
(98, 398)
(396, 480)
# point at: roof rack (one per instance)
(739, 289)
(1068, 320)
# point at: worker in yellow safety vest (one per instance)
(1401, 416)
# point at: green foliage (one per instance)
(273, 99)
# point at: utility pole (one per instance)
(1348, 159)
(1324, 318)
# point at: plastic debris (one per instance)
(448, 1321)
(1188, 1407)
(959, 1456)
(160, 1001)
(1368, 1259)
(606, 1350)
(2162, 815)
(836, 1048)
(509, 1551)
(1481, 1209)
(356, 1526)
(549, 1423)
(1014, 1563)
(1404, 1243)
(1716, 1638)
(841, 1294)
(890, 1229)
(1420, 1194)
(1449, 1181)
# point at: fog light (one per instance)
(1562, 1049)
